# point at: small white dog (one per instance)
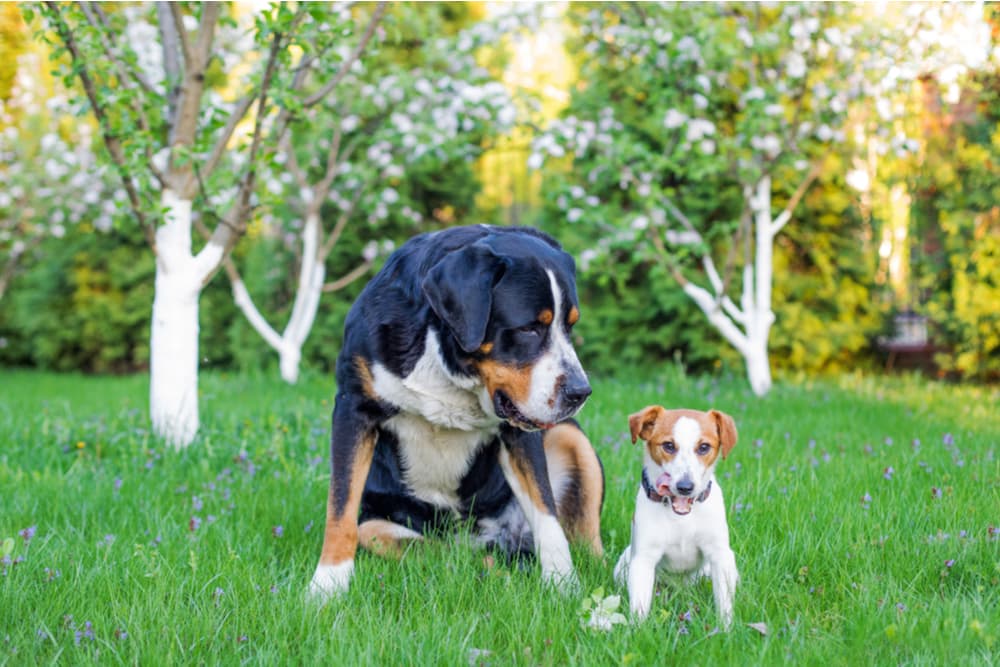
(679, 525)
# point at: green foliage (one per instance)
(957, 231)
(86, 307)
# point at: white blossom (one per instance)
(674, 119)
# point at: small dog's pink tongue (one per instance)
(682, 504)
(663, 484)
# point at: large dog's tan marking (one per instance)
(568, 453)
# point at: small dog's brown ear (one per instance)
(641, 423)
(727, 431)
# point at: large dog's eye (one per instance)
(530, 330)
(669, 447)
(703, 448)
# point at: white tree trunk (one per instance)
(747, 327)
(289, 343)
(173, 349)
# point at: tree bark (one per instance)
(173, 377)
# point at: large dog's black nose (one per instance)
(576, 392)
(685, 486)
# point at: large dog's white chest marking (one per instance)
(442, 422)
(434, 459)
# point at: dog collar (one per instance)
(665, 500)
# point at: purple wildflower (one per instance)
(915, 444)
(278, 531)
(948, 440)
(28, 533)
(42, 634)
(194, 523)
(107, 541)
(948, 563)
(117, 485)
(242, 639)
(210, 519)
(196, 503)
(758, 443)
(86, 633)
(868, 449)
(217, 595)
(993, 532)
(121, 633)
(826, 457)
(812, 443)
(936, 492)
(51, 574)
(963, 533)
(866, 499)
(888, 440)
(887, 473)
(308, 527)
(683, 629)
(900, 607)
(274, 589)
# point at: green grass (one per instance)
(836, 580)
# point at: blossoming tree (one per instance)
(347, 160)
(190, 100)
(700, 131)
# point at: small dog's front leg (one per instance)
(724, 579)
(641, 581)
(523, 462)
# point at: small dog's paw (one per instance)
(330, 581)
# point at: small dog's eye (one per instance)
(704, 448)
(669, 447)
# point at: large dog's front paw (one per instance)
(330, 580)
(564, 581)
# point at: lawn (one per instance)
(865, 516)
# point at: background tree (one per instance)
(355, 160)
(718, 124)
(155, 78)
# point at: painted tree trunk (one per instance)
(289, 343)
(173, 348)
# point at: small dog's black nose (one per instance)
(685, 486)
(576, 393)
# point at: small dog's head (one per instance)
(682, 448)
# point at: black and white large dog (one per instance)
(455, 389)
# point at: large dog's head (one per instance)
(509, 303)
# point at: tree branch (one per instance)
(786, 214)
(110, 141)
(339, 227)
(169, 42)
(349, 277)
(235, 116)
(95, 17)
(350, 60)
(230, 228)
(185, 43)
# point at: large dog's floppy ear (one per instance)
(727, 431)
(641, 423)
(459, 289)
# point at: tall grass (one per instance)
(865, 514)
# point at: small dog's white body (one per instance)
(681, 531)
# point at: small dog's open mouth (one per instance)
(681, 504)
(505, 409)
